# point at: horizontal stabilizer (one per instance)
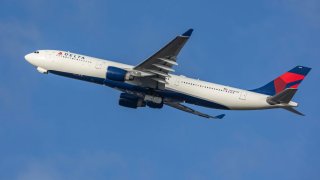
(284, 97)
(291, 109)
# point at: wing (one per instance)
(192, 111)
(158, 66)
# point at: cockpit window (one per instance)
(37, 52)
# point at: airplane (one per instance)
(152, 82)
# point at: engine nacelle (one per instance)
(128, 103)
(131, 101)
(118, 74)
(154, 101)
(154, 105)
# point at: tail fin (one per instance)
(290, 79)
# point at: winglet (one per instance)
(188, 33)
(219, 116)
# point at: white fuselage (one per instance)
(232, 98)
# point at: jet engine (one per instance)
(118, 74)
(131, 101)
(154, 105)
(153, 101)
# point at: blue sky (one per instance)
(57, 128)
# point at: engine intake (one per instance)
(118, 74)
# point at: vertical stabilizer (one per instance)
(290, 79)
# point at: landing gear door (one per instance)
(243, 95)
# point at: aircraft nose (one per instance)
(27, 57)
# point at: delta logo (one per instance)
(70, 55)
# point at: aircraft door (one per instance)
(177, 82)
(243, 96)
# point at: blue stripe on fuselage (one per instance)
(163, 93)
